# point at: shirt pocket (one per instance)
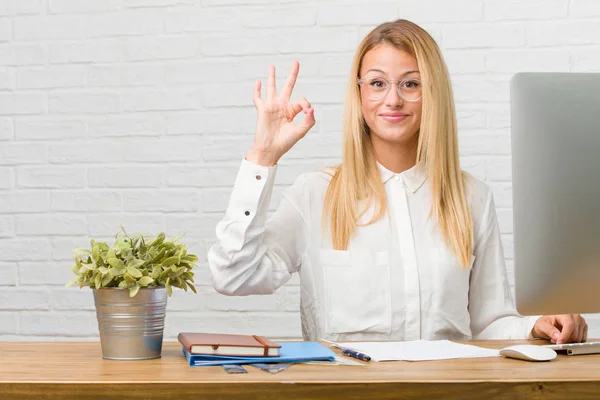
(357, 291)
(451, 319)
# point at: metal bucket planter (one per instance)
(131, 328)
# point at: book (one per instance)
(290, 352)
(228, 345)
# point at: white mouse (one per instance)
(529, 352)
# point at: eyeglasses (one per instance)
(377, 88)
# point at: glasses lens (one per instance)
(410, 89)
(375, 88)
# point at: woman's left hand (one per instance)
(568, 328)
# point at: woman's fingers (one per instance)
(307, 123)
(257, 100)
(286, 91)
(271, 89)
(300, 105)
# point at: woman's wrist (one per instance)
(261, 158)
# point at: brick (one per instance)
(475, 166)
(584, 9)
(49, 27)
(85, 201)
(65, 323)
(89, 51)
(84, 102)
(201, 176)
(13, 153)
(508, 245)
(76, 7)
(165, 99)
(464, 61)
(281, 17)
(72, 299)
(209, 20)
(125, 125)
(6, 129)
(126, 177)
(160, 48)
(45, 273)
(470, 118)
(21, 7)
(7, 180)
(149, 3)
(479, 88)
(50, 77)
(7, 79)
(240, 120)
(22, 103)
(7, 226)
(247, 43)
(434, 11)
(92, 151)
(200, 225)
(51, 177)
(584, 60)
(317, 40)
(473, 143)
(9, 323)
(499, 169)
(528, 60)
(226, 149)
(24, 299)
(208, 299)
(24, 250)
(21, 54)
(337, 65)
(125, 75)
(161, 200)
(502, 10)
(171, 149)
(499, 116)
(511, 34)
(356, 14)
(28, 201)
(5, 30)
(50, 225)
(126, 22)
(49, 128)
(204, 71)
(62, 248)
(8, 274)
(109, 224)
(560, 33)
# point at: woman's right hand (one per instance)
(276, 131)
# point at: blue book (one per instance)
(290, 352)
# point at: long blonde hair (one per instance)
(357, 179)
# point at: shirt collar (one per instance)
(413, 178)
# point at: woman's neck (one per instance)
(396, 157)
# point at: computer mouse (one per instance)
(529, 352)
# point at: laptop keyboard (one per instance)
(577, 348)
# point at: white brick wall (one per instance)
(139, 111)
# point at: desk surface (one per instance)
(76, 370)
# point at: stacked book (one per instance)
(206, 349)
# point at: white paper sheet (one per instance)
(418, 350)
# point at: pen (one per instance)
(356, 354)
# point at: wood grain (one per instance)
(77, 371)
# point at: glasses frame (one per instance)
(391, 81)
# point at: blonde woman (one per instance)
(396, 242)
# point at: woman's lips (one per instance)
(393, 117)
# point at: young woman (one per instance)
(396, 242)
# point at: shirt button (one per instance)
(258, 177)
(396, 178)
(246, 213)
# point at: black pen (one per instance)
(356, 354)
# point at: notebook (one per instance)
(229, 345)
(289, 352)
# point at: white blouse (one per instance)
(396, 281)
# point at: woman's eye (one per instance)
(377, 83)
(412, 84)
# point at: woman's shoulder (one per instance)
(310, 186)
(478, 193)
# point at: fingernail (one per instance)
(556, 335)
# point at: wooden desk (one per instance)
(77, 371)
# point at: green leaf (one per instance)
(103, 270)
(116, 271)
(145, 281)
(134, 290)
(73, 281)
(75, 268)
(115, 262)
(192, 287)
(96, 252)
(159, 240)
(135, 263)
(106, 280)
(134, 272)
(98, 281)
(130, 278)
(169, 289)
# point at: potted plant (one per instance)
(131, 281)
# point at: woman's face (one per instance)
(391, 119)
